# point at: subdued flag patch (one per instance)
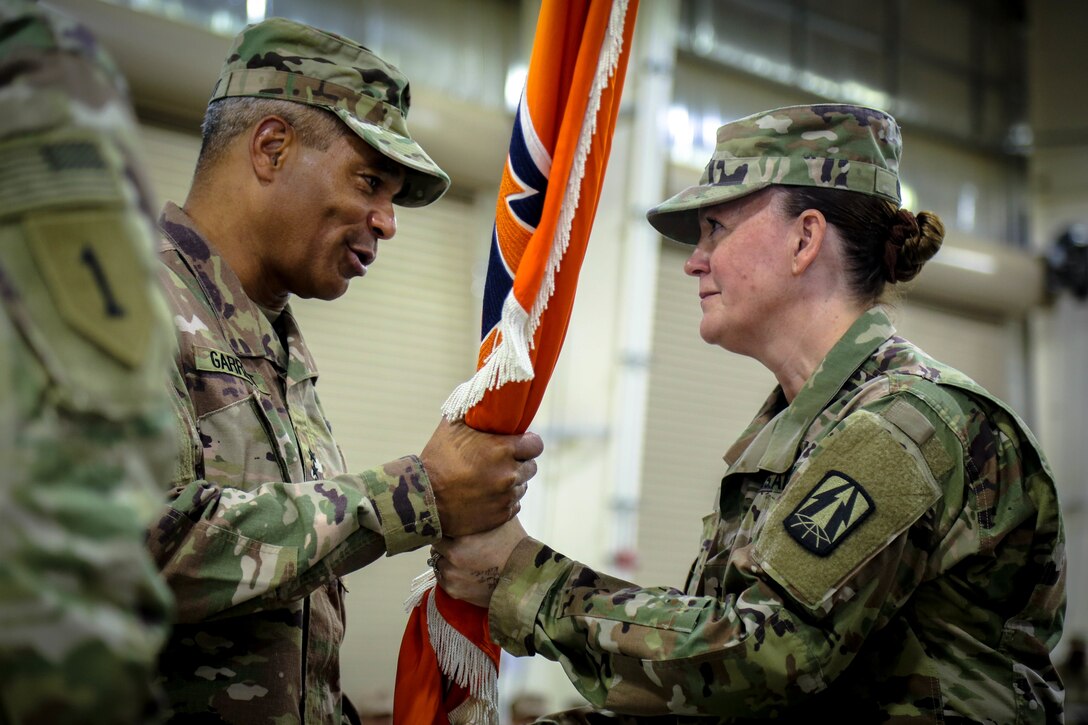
(835, 508)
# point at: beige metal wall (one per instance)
(171, 157)
(388, 353)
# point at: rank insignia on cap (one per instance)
(829, 514)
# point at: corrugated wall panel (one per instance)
(700, 400)
(389, 352)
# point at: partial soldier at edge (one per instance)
(84, 421)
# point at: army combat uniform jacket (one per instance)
(263, 518)
(85, 424)
(887, 546)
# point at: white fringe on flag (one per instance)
(474, 711)
(459, 659)
(509, 360)
(606, 67)
(468, 666)
(422, 584)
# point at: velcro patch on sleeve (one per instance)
(908, 419)
(866, 484)
(64, 170)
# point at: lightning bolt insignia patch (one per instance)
(835, 508)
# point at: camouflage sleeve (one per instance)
(790, 622)
(83, 612)
(223, 548)
(84, 421)
(653, 651)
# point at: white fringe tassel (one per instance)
(474, 712)
(422, 584)
(459, 659)
(606, 66)
(468, 666)
(509, 360)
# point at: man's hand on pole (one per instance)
(478, 478)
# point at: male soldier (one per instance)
(85, 422)
(305, 151)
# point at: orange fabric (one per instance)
(423, 696)
(554, 98)
(570, 35)
(418, 697)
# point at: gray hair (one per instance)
(228, 118)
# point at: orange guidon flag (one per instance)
(448, 666)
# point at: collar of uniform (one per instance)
(855, 347)
(748, 449)
(750, 458)
(244, 324)
(300, 363)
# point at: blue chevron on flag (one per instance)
(521, 203)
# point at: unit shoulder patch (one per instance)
(864, 485)
(824, 518)
(94, 271)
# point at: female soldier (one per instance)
(886, 543)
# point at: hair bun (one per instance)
(912, 241)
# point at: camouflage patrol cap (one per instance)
(285, 60)
(834, 146)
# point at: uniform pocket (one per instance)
(237, 450)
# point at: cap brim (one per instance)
(424, 182)
(678, 217)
